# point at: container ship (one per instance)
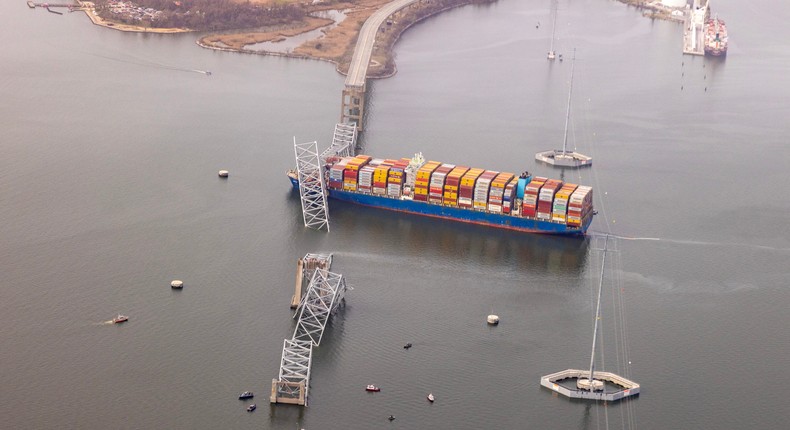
(487, 197)
(715, 37)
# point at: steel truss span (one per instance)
(315, 211)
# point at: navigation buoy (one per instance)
(177, 284)
(493, 319)
(223, 173)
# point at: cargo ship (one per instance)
(487, 197)
(715, 37)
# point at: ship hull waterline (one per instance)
(488, 219)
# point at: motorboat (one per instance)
(431, 398)
(407, 346)
(246, 395)
(119, 319)
(251, 407)
(372, 388)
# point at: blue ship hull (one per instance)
(460, 214)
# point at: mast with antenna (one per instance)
(565, 158)
(552, 54)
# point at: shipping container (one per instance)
(452, 184)
(529, 205)
(423, 179)
(509, 195)
(497, 191)
(467, 189)
(481, 189)
(436, 187)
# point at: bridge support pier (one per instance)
(353, 105)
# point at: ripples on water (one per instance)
(109, 191)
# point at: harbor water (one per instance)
(109, 151)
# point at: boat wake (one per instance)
(148, 63)
(699, 243)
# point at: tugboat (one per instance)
(119, 319)
(251, 407)
(372, 388)
(246, 395)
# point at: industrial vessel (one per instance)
(715, 37)
(430, 188)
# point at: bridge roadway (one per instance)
(358, 70)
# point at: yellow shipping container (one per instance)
(502, 179)
(471, 176)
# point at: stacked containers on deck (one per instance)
(396, 177)
(336, 174)
(529, 207)
(579, 205)
(436, 189)
(482, 187)
(351, 173)
(365, 178)
(451, 185)
(560, 208)
(546, 198)
(510, 195)
(380, 177)
(495, 196)
(423, 178)
(467, 190)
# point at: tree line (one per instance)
(209, 14)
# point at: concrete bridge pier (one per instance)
(353, 105)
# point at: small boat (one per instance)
(407, 346)
(431, 398)
(119, 319)
(251, 407)
(246, 395)
(372, 388)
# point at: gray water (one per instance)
(108, 190)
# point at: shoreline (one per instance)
(382, 64)
(90, 10)
(335, 45)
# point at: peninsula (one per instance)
(244, 25)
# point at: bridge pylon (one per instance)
(352, 106)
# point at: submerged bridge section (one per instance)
(324, 295)
(353, 101)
